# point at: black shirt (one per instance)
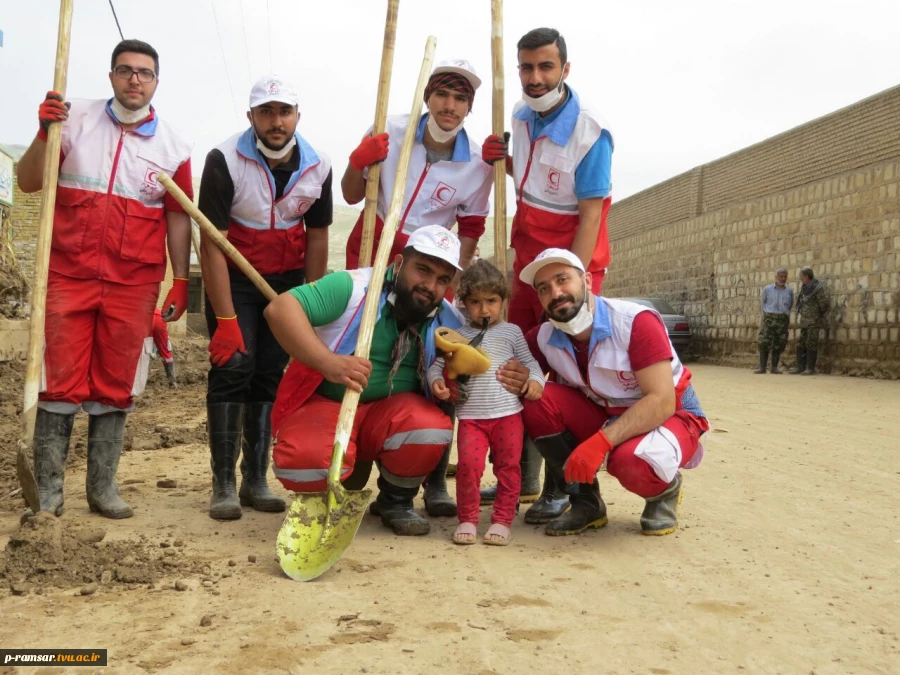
(217, 191)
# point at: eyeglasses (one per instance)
(144, 75)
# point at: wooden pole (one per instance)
(218, 238)
(370, 310)
(381, 106)
(42, 266)
(497, 123)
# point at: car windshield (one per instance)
(658, 304)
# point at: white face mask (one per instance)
(126, 116)
(547, 101)
(438, 134)
(276, 154)
(578, 323)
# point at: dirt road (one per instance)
(786, 562)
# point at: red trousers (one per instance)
(354, 243)
(161, 338)
(94, 334)
(504, 436)
(638, 462)
(525, 308)
(405, 433)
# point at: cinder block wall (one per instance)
(824, 194)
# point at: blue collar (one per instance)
(602, 329)
(147, 128)
(246, 147)
(562, 124)
(460, 147)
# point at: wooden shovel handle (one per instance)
(497, 123)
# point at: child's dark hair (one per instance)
(482, 277)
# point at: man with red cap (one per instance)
(111, 227)
(270, 190)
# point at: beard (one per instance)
(563, 314)
(413, 308)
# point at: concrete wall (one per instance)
(824, 194)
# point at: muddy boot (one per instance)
(530, 464)
(801, 362)
(811, 356)
(587, 511)
(51, 447)
(170, 373)
(105, 434)
(660, 514)
(224, 422)
(395, 506)
(763, 357)
(776, 356)
(438, 502)
(257, 438)
(553, 500)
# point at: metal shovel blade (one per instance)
(26, 479)
(317, 530)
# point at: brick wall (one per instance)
(24, 215)
(824, 194)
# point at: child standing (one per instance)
(491, 416)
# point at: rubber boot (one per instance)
(801, 361)
(257, 439)
(105, 434)
(395, 506)
(776, 357)
(438, 502)
(660, 514)
(224, 422)
(50, 449)
(554, 500)
(587, 511)
(763, 357)
(530, 464)
(170, 373)
(360, 477)
(811, 357)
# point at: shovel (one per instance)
(319, 526)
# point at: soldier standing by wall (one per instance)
(775, 304)
(812, 305)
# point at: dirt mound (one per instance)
(46, 553)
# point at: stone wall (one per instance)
(824, 194)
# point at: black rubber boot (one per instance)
(587, 511)
(395, 506)
(660, 514)
(554, 500)
(360, 476)
(801, 361)
(811, 357)
(776, 357)
(438, 502)
(257, 439)
(170, 373)
(530, 464)
(105, 434)
(50, 449)
(763, 357)
(224, 422)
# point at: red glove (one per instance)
(495, 148)
(585, 460)
(459, 390)
(53, 109)
(176, 301)
(226, 341)
(372, 150)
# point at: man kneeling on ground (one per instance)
(397, 425)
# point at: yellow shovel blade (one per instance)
(317, 530)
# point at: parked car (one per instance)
(677, 325)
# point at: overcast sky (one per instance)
(679, 83)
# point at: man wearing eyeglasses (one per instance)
(112, 224)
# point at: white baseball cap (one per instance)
(546, 257)
(460, 67)
(271, 88)
(438, 242)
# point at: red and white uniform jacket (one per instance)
(109, 221)
(544, 176)
(269, 232)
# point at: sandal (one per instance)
(497, 535)
(465, 534)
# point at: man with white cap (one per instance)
(446, 183)
(270, 190)
(621, 397)
(397, 425)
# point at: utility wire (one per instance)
(224, 62)
(246, 46)
(116, 18)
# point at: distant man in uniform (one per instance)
(775, 303)
(812, 307)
